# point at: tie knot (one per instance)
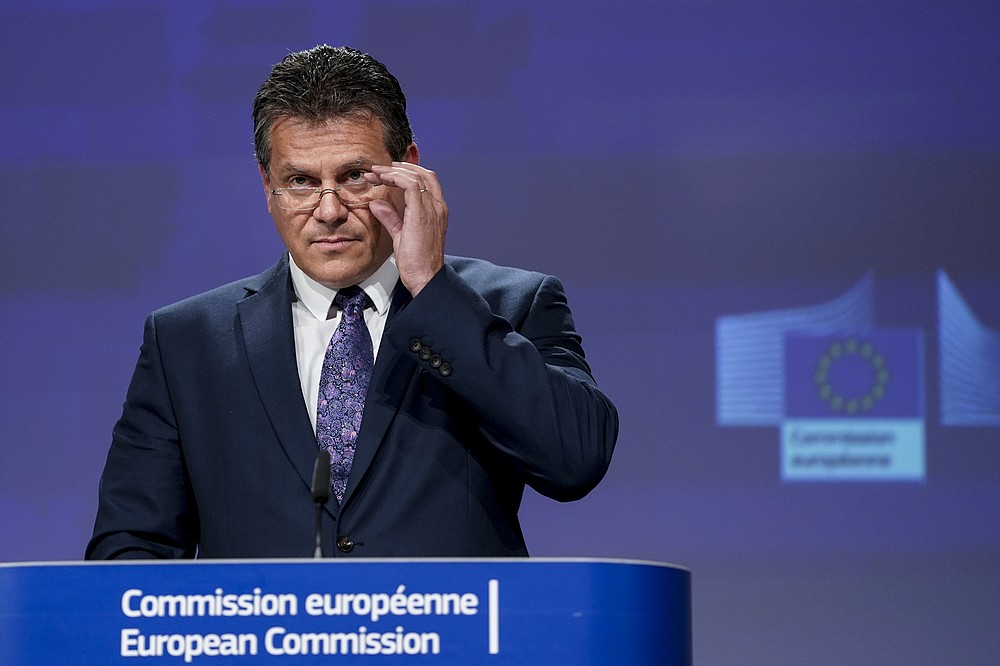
(352, 296)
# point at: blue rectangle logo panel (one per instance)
(877, 374)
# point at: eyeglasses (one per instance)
(353, 194)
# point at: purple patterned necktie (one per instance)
(343, 385)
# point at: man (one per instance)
(467, 379)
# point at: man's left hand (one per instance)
(418, 236)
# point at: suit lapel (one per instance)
(391, 378)
(265, 322)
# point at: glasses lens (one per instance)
(291, 198)
(357, 193)
(351, 194)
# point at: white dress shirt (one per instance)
(315, 318)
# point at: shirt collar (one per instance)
(318, 298)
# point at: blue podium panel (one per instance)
(523, 611)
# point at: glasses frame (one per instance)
(319, 192)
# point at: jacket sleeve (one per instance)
(511, 352)
(146, 508)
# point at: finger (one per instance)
(392, 176)
(386, 215)
(407, 174)
(428, 179)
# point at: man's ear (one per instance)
(265, 179)
(412, 155)
(266, 182)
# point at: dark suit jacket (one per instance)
(214, 451)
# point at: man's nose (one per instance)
(330, 208)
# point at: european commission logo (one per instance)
(846, 396)
(854, 406)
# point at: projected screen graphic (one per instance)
(969, 361)
(776, 223)
(848, 397)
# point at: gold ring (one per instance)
(423, 189)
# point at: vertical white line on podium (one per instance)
(494, 614)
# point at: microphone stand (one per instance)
(321, 495)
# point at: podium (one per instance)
(413, 611)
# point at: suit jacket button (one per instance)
(445, 369)
(345, 544)
(425, 353)
(435, 361)
(415, 345)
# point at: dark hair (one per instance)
(326, 82)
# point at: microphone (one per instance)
(321, 494)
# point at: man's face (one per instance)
(334, 245)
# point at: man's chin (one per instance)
(338, 277)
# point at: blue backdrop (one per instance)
(713, 181)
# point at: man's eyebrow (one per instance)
(291, 167)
